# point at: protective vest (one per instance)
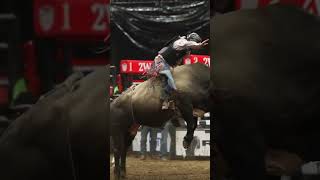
(170, 54)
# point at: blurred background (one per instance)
(44, 41)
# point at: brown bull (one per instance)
(142, 105)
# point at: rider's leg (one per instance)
(164, 94)
(168, 74)
(170, 86)
(164, 69)
(165, 91)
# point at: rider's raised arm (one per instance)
(182, 44)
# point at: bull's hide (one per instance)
(265, 76)
(63, 136)
(277, 162)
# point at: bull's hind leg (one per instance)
(127, 141)
(116, 150)
(123, 153)
(239, 139)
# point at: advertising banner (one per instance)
(199, 147)
(140, 66)
(72, 18)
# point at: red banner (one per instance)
(140, 66)
(197, 59)
(311, 6)
(135, 66)
(72, 18)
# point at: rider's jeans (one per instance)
(165, 70)
(153, 139)
(170, 78)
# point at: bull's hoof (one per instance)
(186, 144)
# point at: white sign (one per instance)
(200, 145)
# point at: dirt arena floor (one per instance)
(166, 170)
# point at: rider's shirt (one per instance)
(176, 50)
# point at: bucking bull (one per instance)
(266, 87)
(63, 136)
(142, 106)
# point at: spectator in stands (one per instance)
(169, 129)
(153, 141)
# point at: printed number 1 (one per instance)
(66, 16)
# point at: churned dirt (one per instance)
(151, 169)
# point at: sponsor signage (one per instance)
(140, 66)
(199, 147)
(311, 6)
(197, 59)
(72, 18)
(135, 66)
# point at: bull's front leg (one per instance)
(239, 138)
(191, 126)
(186, 109)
